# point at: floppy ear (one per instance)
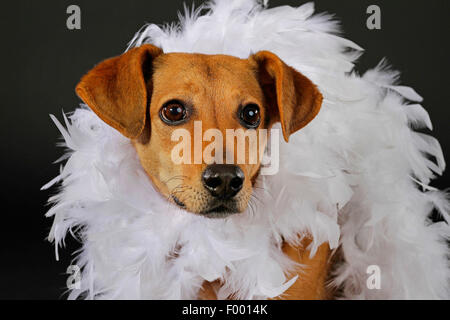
(116, 89)
(294, 99)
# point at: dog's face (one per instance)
(152, 98)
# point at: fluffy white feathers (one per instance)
(356, 177)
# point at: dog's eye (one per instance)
(250, 116)
(173, 112)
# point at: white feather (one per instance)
(350, 179)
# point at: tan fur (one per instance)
(312, 272)
(128, 91)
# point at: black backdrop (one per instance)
(42, 61)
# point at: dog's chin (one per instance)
(220, 211)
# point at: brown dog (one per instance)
(146, 94)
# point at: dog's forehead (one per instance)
(193, 66)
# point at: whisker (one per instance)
(251, 206)
(181, 177)
(265, 191)
(254, 196)
(180, 188)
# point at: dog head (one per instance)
(150, 97)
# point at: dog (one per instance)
(145, 94)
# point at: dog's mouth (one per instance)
(178, 202)
(219, 209)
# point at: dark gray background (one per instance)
(42, 61)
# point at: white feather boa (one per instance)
(356, 177)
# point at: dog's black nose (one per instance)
(223, 181)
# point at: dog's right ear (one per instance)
(117, 89)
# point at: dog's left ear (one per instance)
(294, 100)
(118, 89)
